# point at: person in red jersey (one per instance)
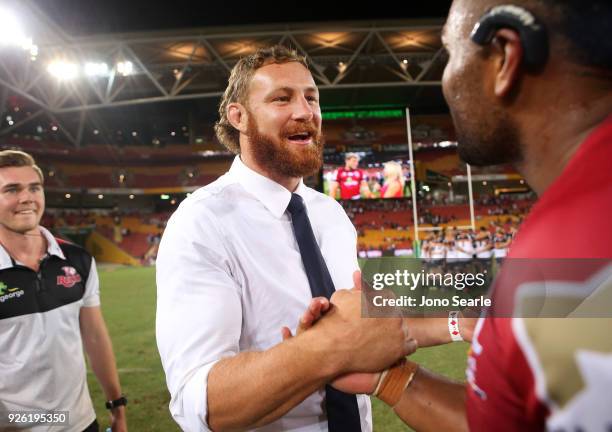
(352, 181)
(530, 84)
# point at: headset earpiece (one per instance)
(531, 31)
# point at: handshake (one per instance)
(334, 345)
(367, 355)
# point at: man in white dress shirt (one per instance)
(230, 273)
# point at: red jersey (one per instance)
(350, 182)
(398, 194)
(532, 374)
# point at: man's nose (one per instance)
(26, 195)
(302, 110)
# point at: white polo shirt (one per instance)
(230, 276)
(42, 366)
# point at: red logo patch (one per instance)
(70, 278)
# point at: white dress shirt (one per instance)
(230, 276)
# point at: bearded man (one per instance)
(243, 256)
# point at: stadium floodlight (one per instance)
(125, 68)
(94, 69)
(11, 31)
(12, 34)
(63, 70)
(165, 196)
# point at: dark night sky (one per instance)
(80, 17)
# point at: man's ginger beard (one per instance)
(280, 156)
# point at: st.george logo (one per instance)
(70, 277)
(7, 293)
(4, 289)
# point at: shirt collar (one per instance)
(52, 249)
(271, 194)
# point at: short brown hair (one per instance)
(16, 158)
(238, 86)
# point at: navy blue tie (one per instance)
(342, 409)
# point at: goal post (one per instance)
(413, 189)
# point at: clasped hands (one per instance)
(365, 346)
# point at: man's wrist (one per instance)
(466, 327)
(394, 381)
(118, 411)
(327, 362)
(118, 402)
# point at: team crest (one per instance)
(70, 277)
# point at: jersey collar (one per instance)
(53, 248)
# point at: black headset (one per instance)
(532, 32)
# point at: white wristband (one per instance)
(453, 326)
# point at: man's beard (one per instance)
(481, 144)
(283, 158)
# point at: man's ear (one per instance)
(237, 116)
(507, 46)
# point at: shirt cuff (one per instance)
(189, 407)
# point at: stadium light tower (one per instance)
(125, 68)
(12, 33)
(96, 69)
(63, 70)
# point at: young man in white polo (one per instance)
(49, 311)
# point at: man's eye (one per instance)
(311, 99)
(282, 99)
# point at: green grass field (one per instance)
(128, 304)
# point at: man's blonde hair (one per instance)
(16, 158)
(238, 87)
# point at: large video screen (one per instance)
(358, 180)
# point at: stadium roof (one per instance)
(87, 17)
(355, 63)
